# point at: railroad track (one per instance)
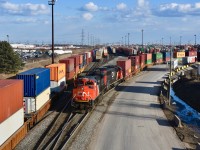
(62, 138)
(54, 127)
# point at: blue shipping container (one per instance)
(36, 80)
(166, 54)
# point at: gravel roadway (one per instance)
(134, 120)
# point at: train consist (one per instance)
(88, 88)
(29, 95)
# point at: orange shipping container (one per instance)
(57, 71)
(179, 54)
(11, 98)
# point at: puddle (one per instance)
(187, 114)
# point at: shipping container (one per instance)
(198, 56)
(191, 53)
(11, 97)
(58, 86)
(70, 75)
(69, 64)
(9, 126)
(80, 59)
(33, 104)
(142, 60)
(76, 60)
(179, 54)
(57, 71)
(135, 60)
(148, 56)
(76, 69)
(157, 57)
(36, 80)
(99, 54)
(126, 66)
(89, 54)
(188, 60)
(174, 63)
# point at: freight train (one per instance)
(88, 88)
(36, 95)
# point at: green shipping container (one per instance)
(148, 62)
(157, 56)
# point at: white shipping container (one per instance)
(89, 54)
(113, 50)
(33, 104)
(174, 63)
(11, 125)
(57, 86)
(188, 60)
(99, 54)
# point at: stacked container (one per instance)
(148, 58)
(135, 63)
(188, 60)
(69, 64)
(166, 56)
(174, 63)
(11, 108)
(105, 52)
(126, 66)
(57, 77)
(89, 57)
(76, 63)
(36, 88)
(179, 55)
(157, 57)
(191, 53)
(81, 61)
(99, 54)
(142, 60)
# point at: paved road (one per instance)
(135, 120)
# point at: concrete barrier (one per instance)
(198, 146)
(177, 121)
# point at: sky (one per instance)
(100, 21)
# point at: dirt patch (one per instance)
(186, 134)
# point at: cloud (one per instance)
(24, 9)
(178, 10)
(87, 16)
(90, 7)
(121, 6)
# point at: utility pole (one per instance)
(88, 39)
(195, 36)
(125, 40)
(142, 38)
(122, 41)
(128, 38)
(170, 73)
(52, 3)
(82, 37)
(180, 40)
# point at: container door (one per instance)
(29, 105)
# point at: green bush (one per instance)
(10, 62)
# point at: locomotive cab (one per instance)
(85, 92)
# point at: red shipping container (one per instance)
(76, 60)
(126, 66)
(80, 59)
(69, 63)
(148, 56)
(76, 69)
(142, 60)
(167, 59)
(11, 98)
(191, 53)
(70, 75)
(135, 60)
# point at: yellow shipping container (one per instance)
(57, 71)
(179, 54)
